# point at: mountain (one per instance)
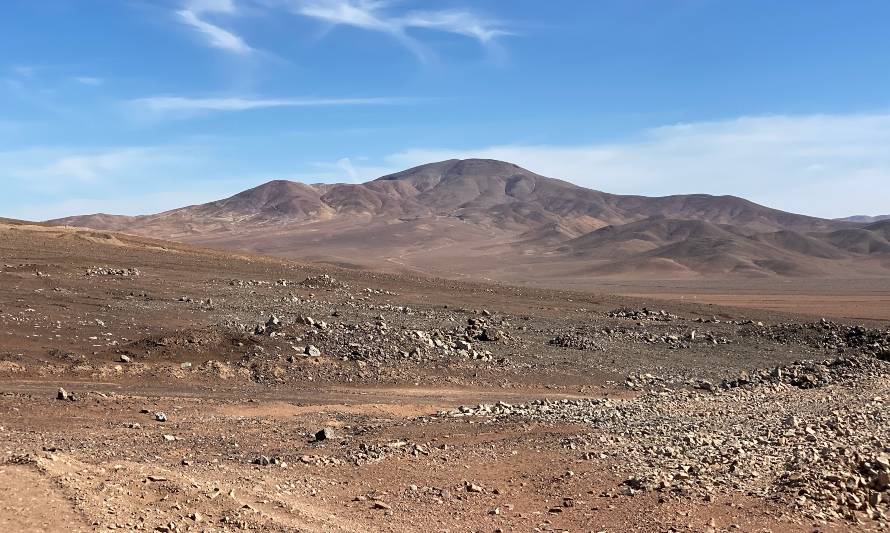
(493, 219)
(865, 218)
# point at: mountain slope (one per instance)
(865, 218)
(483, 217)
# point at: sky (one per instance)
(138, 106)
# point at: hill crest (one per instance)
(482, 216)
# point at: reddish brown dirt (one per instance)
(101, 463)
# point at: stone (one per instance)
(491, 335)
(324, 434)
(472, 487)
(312, 351)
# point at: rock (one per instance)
(472, 487)
(169, 438)
(160, 416)
(491, 335)
(62, 394)
(125, 359)
(705, 385)
(312, 351)
(324, 434)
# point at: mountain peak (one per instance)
(457, 168)
(468, 210)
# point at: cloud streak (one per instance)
(214, 36)
(824, 165)
(54, 169)
(180, 106)
(91, 81)
(56, 181)
(373, 15)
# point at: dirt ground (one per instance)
(197, 383)
(852, 299)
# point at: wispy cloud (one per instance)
(180, 106)
(455, 21)
(194, 15)
(55, 168)
(56, 181)
(375, 15)
(824, 165)
(92, 81)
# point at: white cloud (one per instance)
(117, 203)
(825, 165)
(214, 35)
(455, 21)
(52, 182)
(160, 106)
(55, 170)
(345, 169)
(373, 15)
(212, 6)
(92, 81)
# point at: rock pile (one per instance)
(825, 450)
(324, 282)
(642, 314)
(826, 335)
(811, 374)
(105, 271)
(576, 342)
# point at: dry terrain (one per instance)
(494, 221)
(149, 385)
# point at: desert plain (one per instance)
(155, 386)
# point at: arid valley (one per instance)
(444, 266)
(150, 385)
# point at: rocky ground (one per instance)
(152, 386)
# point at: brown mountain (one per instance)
(494, 219)
(866, 218)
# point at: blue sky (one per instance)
(135, 106)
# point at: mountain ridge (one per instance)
(865, 218)
(475, 213)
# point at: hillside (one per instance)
(487, 218)
(865, 218)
